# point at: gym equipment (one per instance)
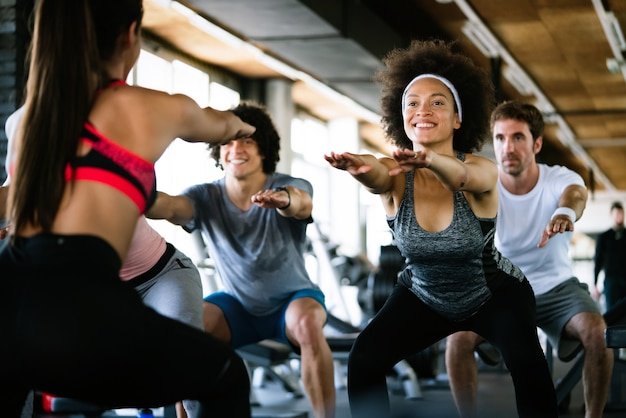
(269, 358)
(46, 404)
(376, 289)
(615, 337)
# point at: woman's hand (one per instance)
(409, 160)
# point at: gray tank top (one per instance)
(453, 271)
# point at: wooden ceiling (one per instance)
(558, 48)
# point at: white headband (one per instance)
(449, 85)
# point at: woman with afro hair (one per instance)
(441, 203)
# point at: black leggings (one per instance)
(70, 327)
(405, 326)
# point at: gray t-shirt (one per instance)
(258, 253)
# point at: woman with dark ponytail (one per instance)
(82, 174)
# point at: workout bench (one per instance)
(269, 357)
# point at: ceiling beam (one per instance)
(614, 35)
(602, 142)
(520, 79)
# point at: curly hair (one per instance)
(475, 88)
(266, 135)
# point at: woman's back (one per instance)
(142, 122)
(83, 172)
(100, 206)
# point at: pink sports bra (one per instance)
(108, 163)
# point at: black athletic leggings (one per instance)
(70, 327)
(405, 325)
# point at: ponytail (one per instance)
(66, 70)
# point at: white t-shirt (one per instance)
(521, 221)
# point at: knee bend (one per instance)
(357, 356)
(596, 348)
(592, 339)
(461, 343)
(308, 331)
(363, 356)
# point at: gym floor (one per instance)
(496, 399)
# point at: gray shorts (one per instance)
(175, 291)
(557, 306)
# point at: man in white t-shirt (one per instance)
(538, 207)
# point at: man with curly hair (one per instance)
(254, 223)
(441, 203)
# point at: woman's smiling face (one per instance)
(429, 112)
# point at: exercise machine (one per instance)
(47, 405)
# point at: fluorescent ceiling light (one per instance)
(480, 39)
(615, 37)
(519, 80)
(615, 31)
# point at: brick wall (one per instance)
(14, 41)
